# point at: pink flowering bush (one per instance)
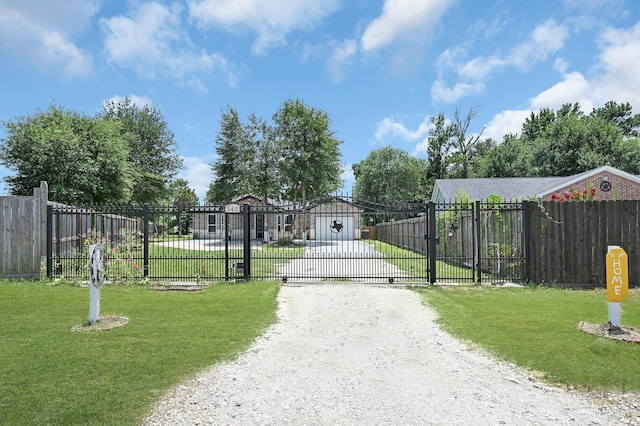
(575, 195)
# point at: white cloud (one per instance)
(271, 21)
(407, 21)
(614, 78)
(545, 39)
(199, 175)
(573, 88)
(480, 68)
(505, 122)
(42, 34)
(390, 128)
(139, 101)
(560, 65)
(340, 60)
(617, 77)
(405, 27)
(440, 92)
(348, 179)
(151, 42)
(421, 148)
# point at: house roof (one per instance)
(482, 188)
(515, 187)
(278, 204)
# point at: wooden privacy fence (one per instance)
(23, 243)
(542, 242)
(568, 241)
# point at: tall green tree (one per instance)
(390, 175)
(151, 147)
(248, 159)
(621, 115)
(439, 147)
(511, 158)
(311, 160)
(236, 152)
(265, 173)
(83, 159)
(567, 142)
(464, 145)
(182, 197)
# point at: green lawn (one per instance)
(537, 329)
(173, 263)
(416, 264)
(52, 375)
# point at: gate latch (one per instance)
(426, 237)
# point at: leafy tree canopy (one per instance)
(83, 159)
(295, 158)
(311, 159)
(236, 154)
(151, 147)
(391, 175)
(180, 194)
(567, 142)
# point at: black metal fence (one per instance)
(143, 242)
(465, 242)
(336, 238)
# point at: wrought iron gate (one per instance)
(336, 238)
(341, 239)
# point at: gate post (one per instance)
(478, 242)
(227, 236)
(246, 236)
(49, 241)
(145, 249)
(527, 248)
(432, 241)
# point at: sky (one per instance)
(380, 69)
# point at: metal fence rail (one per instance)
(466, 242)
(336, 238)
(143, 242)
(334, 241)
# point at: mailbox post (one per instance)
(617, 282)
(97, 274)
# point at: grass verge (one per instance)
(167, 263)
(416, 264)
(536, 329)
(52, 375)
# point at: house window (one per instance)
(212, 223)
(288, 220)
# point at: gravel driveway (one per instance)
(345, 354)
(354, 258)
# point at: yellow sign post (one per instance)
(617, 282)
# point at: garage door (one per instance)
(334, 228)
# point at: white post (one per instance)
(94, 303)
(97, 269)
(614, 313)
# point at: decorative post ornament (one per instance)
(97, 275)
(617, 263)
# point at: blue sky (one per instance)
(379, 68)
